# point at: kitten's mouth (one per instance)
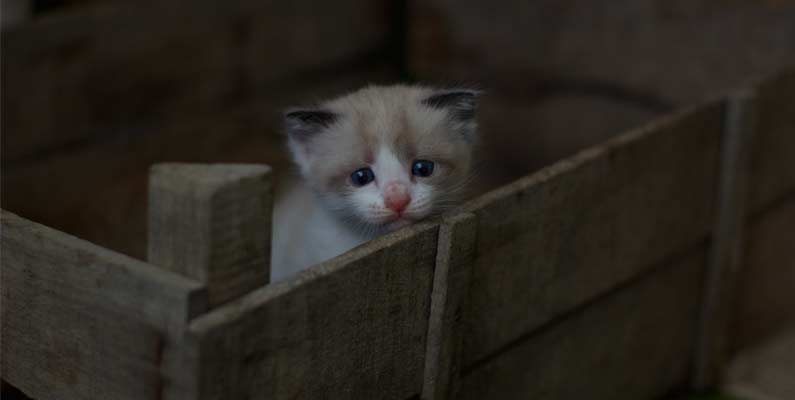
(395, 221)
(400, 220)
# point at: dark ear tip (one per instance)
(310, 116)
(462, 100)
(297, 113)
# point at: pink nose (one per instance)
(396, 196)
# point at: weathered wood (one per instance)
(772, 171)
(725, 254)
(82, 322)
(76, 74)
(765, 298)
(631, 344)
(15, 12)
(764, 371)
(352, 327)
(553, 240)
(454, 256)
(212, 223)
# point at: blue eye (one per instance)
(362, 176)
(422, 168)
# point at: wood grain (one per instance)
(772, 172)
(633, 343)
(15, 12)
(551, 241)
(454, 257)
(764, 371)
(726, 249)
(82, 322)
(212, 223)
(352, 327)
(764, 302)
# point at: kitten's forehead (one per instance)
(392, 116)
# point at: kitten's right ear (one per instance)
(302, 124)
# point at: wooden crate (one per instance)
(611, 273)
(627, 271)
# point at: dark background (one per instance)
(94, 92)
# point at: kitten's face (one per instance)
(384, 157)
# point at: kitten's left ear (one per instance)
(461, 103)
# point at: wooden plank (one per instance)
(765, 371)
(212, 223)
(633, 343)
(15, 12)
(77, 74)
(82, 322)
(454, 256)
(725, 254)
(765, 297)
(772, 173)
(352, 327)
(556, 239)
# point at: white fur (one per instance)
(305, 233)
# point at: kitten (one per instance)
(373, 161)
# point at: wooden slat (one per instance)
(726, 249)
(631, 344)
(772, 172)
(454, 256)
(553, 240)
(82, 322)
(765, 297)
(79, 73)
(15, 12)
(765, 371)
(212, 223)
(353, 327)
